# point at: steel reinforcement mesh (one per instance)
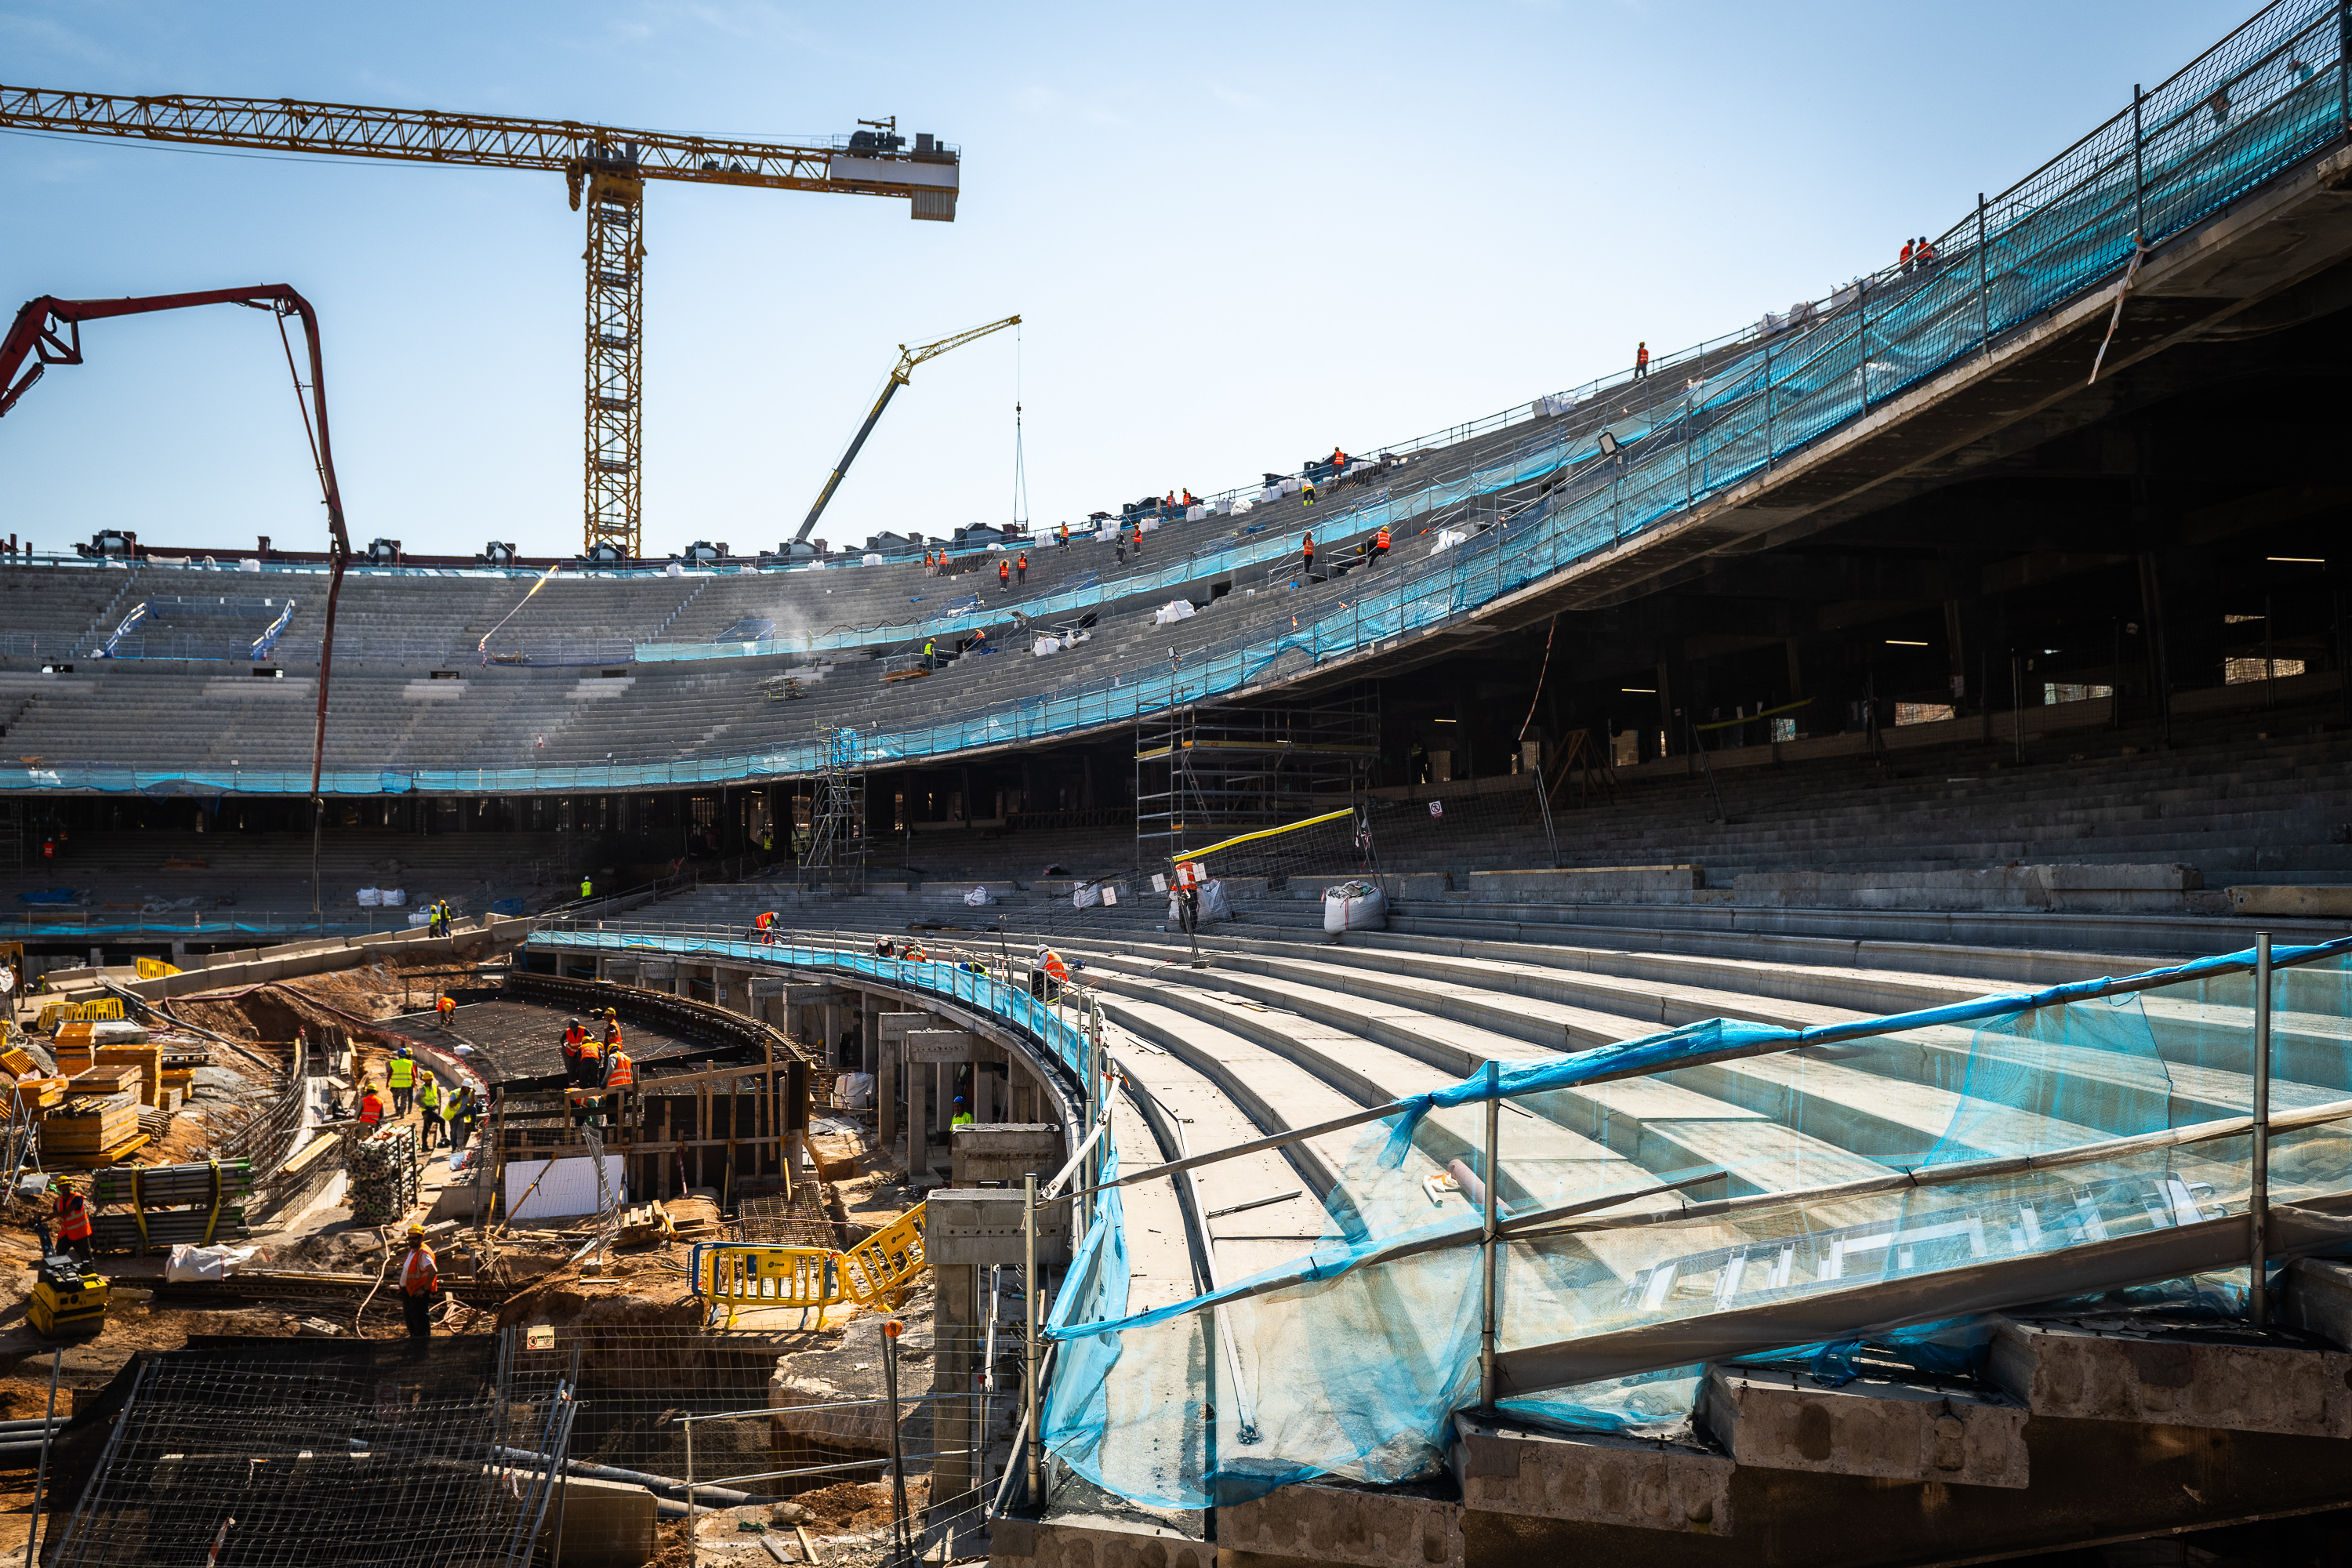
(273, 1461)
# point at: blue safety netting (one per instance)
(1655, 1190)
(2265, 98)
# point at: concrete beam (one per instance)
(896, 1024)
(1592, 1478)
(1892, 1431)
(2186, 1377)
(938, 1046)
(2319, 1298)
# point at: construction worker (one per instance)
(1381, 543)
(1903, 261)
(930, 653)
(1191, 500)
(1004, 573)
(445, 1005)
(428, 1099)
(765, 925)
(612, 1030)
(619, 1071)
(1925, 255)
(1307, 547)
(586, 891)
(1048, 975)
(1065, 532)
(1020, 566)
(371, 1108)
(400, 1075)
(73, 1211)
(573, 1038)
(420, 1277)
(1338, 460)
(462, 1115)
(1307, 492)
(962, 1117)
(1641, 361)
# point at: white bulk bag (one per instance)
(976, 898)
(1174, 610)
(371, 897)
(1355, 906)
(395, 897)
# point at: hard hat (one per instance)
(1042, 950)
(572, 1022)
(612, 1013)
(415, 1232)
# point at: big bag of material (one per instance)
(1355, 906)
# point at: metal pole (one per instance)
(693, 1545)
(1862, 335)
(2344, 64)
(1487, 1249)
(890, 1333)
(2140, 171)
(1034, 1458)
(2258, 1197)
(1984, 294)
(41, 1475)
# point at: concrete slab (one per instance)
(2174, 1375)
(2319, 1299)
(1590, 1479)
(1083, 1541)
(1306, 1523)
(1889, 1430)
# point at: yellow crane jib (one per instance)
(738, 1274)
(900, 373)
(606, 165)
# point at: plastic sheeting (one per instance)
(1677, 1181)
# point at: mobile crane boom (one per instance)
(900, 375)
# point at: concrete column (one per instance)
(943, 1098)
(885, 1097)
(919, 1126)
(871, 1030)
(984, 1091)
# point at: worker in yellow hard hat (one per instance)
(420, 1277)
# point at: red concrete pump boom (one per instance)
(48, 332)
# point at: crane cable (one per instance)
(1020, 461)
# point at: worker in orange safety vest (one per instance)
(619, 1071)
(1051, 973)
(574, 1036)
(1380, 541)
(73, 1220)
(371, 1108)
(420, 1277)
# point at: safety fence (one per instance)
(2267, 96)
(1730, 1190)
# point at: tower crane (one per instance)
(606, 165)
(902, 373)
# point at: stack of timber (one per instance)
(98, 1122)
(383, 1167)
(163, 1205)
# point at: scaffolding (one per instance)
(838, 841)
(1207, 771)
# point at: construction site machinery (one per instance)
(606, 165)
(900, 375)
(66, 1300)
(47, 330)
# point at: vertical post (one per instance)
(1862, 335)
(693, 1544)
(41, 1475)
(2258, 1192)
(2343, 65)
(890, 1333)
(1489, 1305)
(1984, 291)
(1034, 1459)
(2139, 171)
(1768, 402)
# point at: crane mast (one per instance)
(605, 169)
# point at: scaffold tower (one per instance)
(1207, 771)
(837, 841)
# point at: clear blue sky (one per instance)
(1238, 233)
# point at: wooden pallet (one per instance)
(82, 1161)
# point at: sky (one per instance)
(1238, 234)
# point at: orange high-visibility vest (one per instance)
(623, 1073)
(73, 1217)
(1056, 970)
(419, 1274)
(371, 1108)
(1382, 541)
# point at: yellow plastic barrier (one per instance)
(55, 1013)
(155, 969)
(746, 1276)
(887, 1260)
(800, 1276)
